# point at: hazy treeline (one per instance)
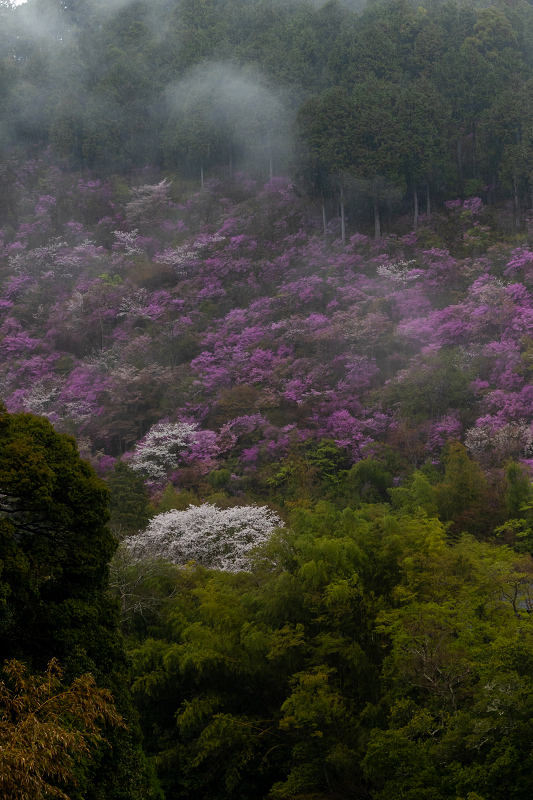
(399, 104)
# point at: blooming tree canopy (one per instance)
(214, 537)
(500, 441)
(159, 451)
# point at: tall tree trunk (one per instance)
(460, 157)
(492, 189)
(201, 174)
(415, 217)
(270, 162)
(516, 203)
(428, 201)
(474, 153)
(343, 219)
(377, 225)
(230, 163)
(324, 220)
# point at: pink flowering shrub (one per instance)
(136, 309)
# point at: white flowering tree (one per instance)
(213, 537)
(159, 452)
(128, 241)
(399, 271)
(148, 202)
(493, 445)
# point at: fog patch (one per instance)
(223, 109)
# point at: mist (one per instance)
(223, 109)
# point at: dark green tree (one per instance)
(129, 500)
(462, 498)
(519, 492)
(368, 482)
(54, 552)
(423, 119)
(506, 144)
(325, 126)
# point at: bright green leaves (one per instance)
(211, 691)
(363, 650)
(458, 695)
(267, 674)
(313, 705)
(286, 639)
(324, 559)
(430, 654)
(416, 495)
(316, 715)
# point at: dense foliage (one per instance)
(362, 657)
(221, 342)
(215, 356)
(54, 554)
(45, 726)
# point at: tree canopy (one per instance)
(55, 549)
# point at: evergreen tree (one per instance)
(54, 552)
(129, 500)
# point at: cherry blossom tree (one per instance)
(211, 536)
(160, 451)
(496, 443)
(147, 202)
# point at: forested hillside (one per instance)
(268, 268)
(386, 103)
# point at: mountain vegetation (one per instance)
(266, 359)
(392, 104)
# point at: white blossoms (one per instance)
(159, 451)
(512, 440)
(400, 271)
(128, 240)
(213, 537)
